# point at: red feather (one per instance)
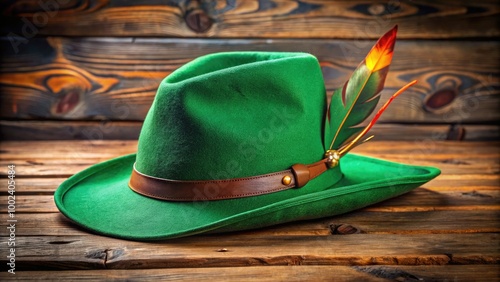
(349, 146)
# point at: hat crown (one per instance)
(230, 115)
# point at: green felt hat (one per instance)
(219, 150)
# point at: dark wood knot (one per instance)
(376, 9)
(198, 21)
(456, 132)
(67, 101)
(440, 99)
(344, 229)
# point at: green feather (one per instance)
(356, 100)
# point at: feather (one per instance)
(354, 142)
(356, 100)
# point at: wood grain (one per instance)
(109, 130)
(129, 130)
(116, 78)
(465, 273)
(90, 252)
(252, 19)
(367, 222)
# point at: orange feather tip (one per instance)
(384, 107)
(380, 56)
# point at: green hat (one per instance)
(243, 140)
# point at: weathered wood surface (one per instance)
(89, 252)
(129, 130)
(116, 79)
(421, 235)
(230, 19)
(457, 273)
(465, 273)
(365, 222)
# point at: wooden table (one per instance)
(447, 229)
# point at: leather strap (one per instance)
(206, 190)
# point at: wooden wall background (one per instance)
(89, 69)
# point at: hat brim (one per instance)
(99, 199)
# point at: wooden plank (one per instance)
(80, 150)
(465, 183)
(97, 130)
(427, 200)
(433, 273)
(36, 186)
(366, 222)
(420, 199)
(298, 19)
(117, 78)
(259, 273)
(426, 146)
(129, 130)
(86, 252)
(457, 273)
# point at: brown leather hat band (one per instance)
(180, 190)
